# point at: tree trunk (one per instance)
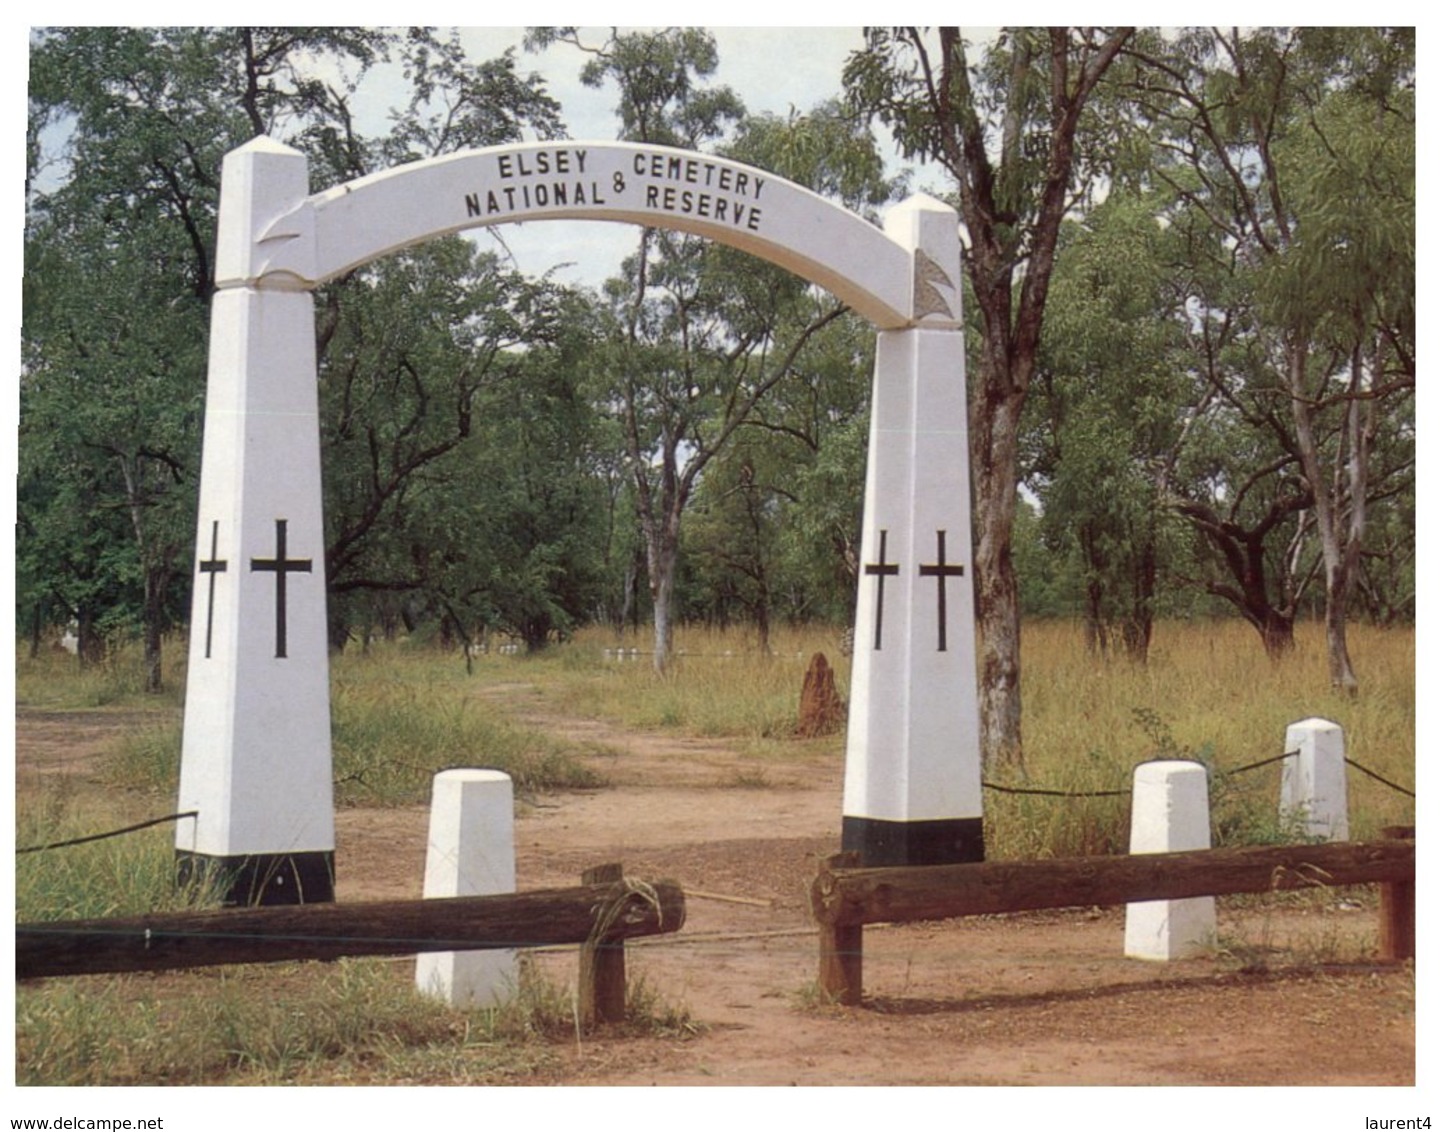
(90, 645)
(156, 579)
(998, 609)
(337, 629)
(1277, 634)
(763, 623)
(1328, 502)
(629, 612)
(1137, 626)
(1095, 621)
(661, 551)
(1094, 613)
(37, 626)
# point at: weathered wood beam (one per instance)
(843, 899)
(329, 931)
(939, 892)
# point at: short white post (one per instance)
(471, 852)
(1170, 813)
(1314, 779)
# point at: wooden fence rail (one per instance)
(844, 898)
(600, 916)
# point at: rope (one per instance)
(1235, 770)
(1261, 763)
(1055, 793)
(998, 787)
(110, 833)
(1379, 778)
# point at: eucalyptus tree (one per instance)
(778, 513)
(1010, 125)
(504, 532)
(127, 129)
(1296, 146)
(1106, 416)
(703, 334)
(419, 388)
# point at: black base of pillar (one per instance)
(262, 878)
(948, 841)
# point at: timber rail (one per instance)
(844, 897)
(601, 914)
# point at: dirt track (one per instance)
(1035, 999)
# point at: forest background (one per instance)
(1191, 277)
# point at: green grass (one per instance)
(402, 712)
(398, 715)
(355, 1021)
(119, 876)
(720, 685)
(55, 680)
(396, 722)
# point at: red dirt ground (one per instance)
(1291, 999)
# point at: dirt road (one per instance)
(1044, 999)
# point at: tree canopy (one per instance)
(1189, 261)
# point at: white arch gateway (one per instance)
(256, 756)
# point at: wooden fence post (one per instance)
(839, 975)
(1397, 929)
(601, 985)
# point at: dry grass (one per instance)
(1208, 693)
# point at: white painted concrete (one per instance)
(256, 762)
(256, 756)
(1314, 780)
(1170, 814)
(913, 746)
(748, 208)
(471, 851)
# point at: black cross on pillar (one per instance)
(941, 571)
(213, 567)
(881, 570)
(280, 566)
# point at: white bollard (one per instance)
(471, 851)
(1170, 813)
(1314, 780)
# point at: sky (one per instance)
(773, 70)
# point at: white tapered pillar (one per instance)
(256, 755)
(912, 791)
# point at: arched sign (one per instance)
(342, 228)
(256, 760)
